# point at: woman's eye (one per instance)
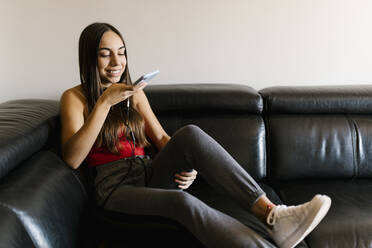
(104, 55)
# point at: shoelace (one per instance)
(275, 213)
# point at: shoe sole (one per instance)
(320, 210)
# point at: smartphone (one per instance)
(147, 77)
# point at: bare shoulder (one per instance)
(77, 92)
(74, 98)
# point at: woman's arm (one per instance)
(153, 128)
(77, 137)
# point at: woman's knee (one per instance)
(189, 131)
(191, 138)
(179, 199)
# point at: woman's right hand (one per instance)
(118, 92)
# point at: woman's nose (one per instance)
(115, 60)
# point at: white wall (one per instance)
(260, 43)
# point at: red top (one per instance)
(98, 156)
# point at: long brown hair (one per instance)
(91, 83)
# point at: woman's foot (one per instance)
(291, 224)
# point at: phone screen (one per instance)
(147, 77)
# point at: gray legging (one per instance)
(189, 147)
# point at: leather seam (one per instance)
(353, 132)
(264, 147)
(357, 141)
(268, 164)
(265, 118)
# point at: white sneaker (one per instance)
(290, 225)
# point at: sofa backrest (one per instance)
(318, 132)
(230, 113)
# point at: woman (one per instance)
(105, 122)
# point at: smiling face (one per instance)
(111, 60)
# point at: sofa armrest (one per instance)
(12, 232)
(47, 198)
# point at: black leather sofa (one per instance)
(295, 141)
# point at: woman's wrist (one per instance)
(103, 103)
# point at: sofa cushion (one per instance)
(349, 220)
(47, 198)
(204, 98)
(318, 132)
(319, 146)
(310, 146)
(228, 113)
(341, 99)
(25, 127)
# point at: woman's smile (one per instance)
(114, 73)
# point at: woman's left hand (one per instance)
(185, 179)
